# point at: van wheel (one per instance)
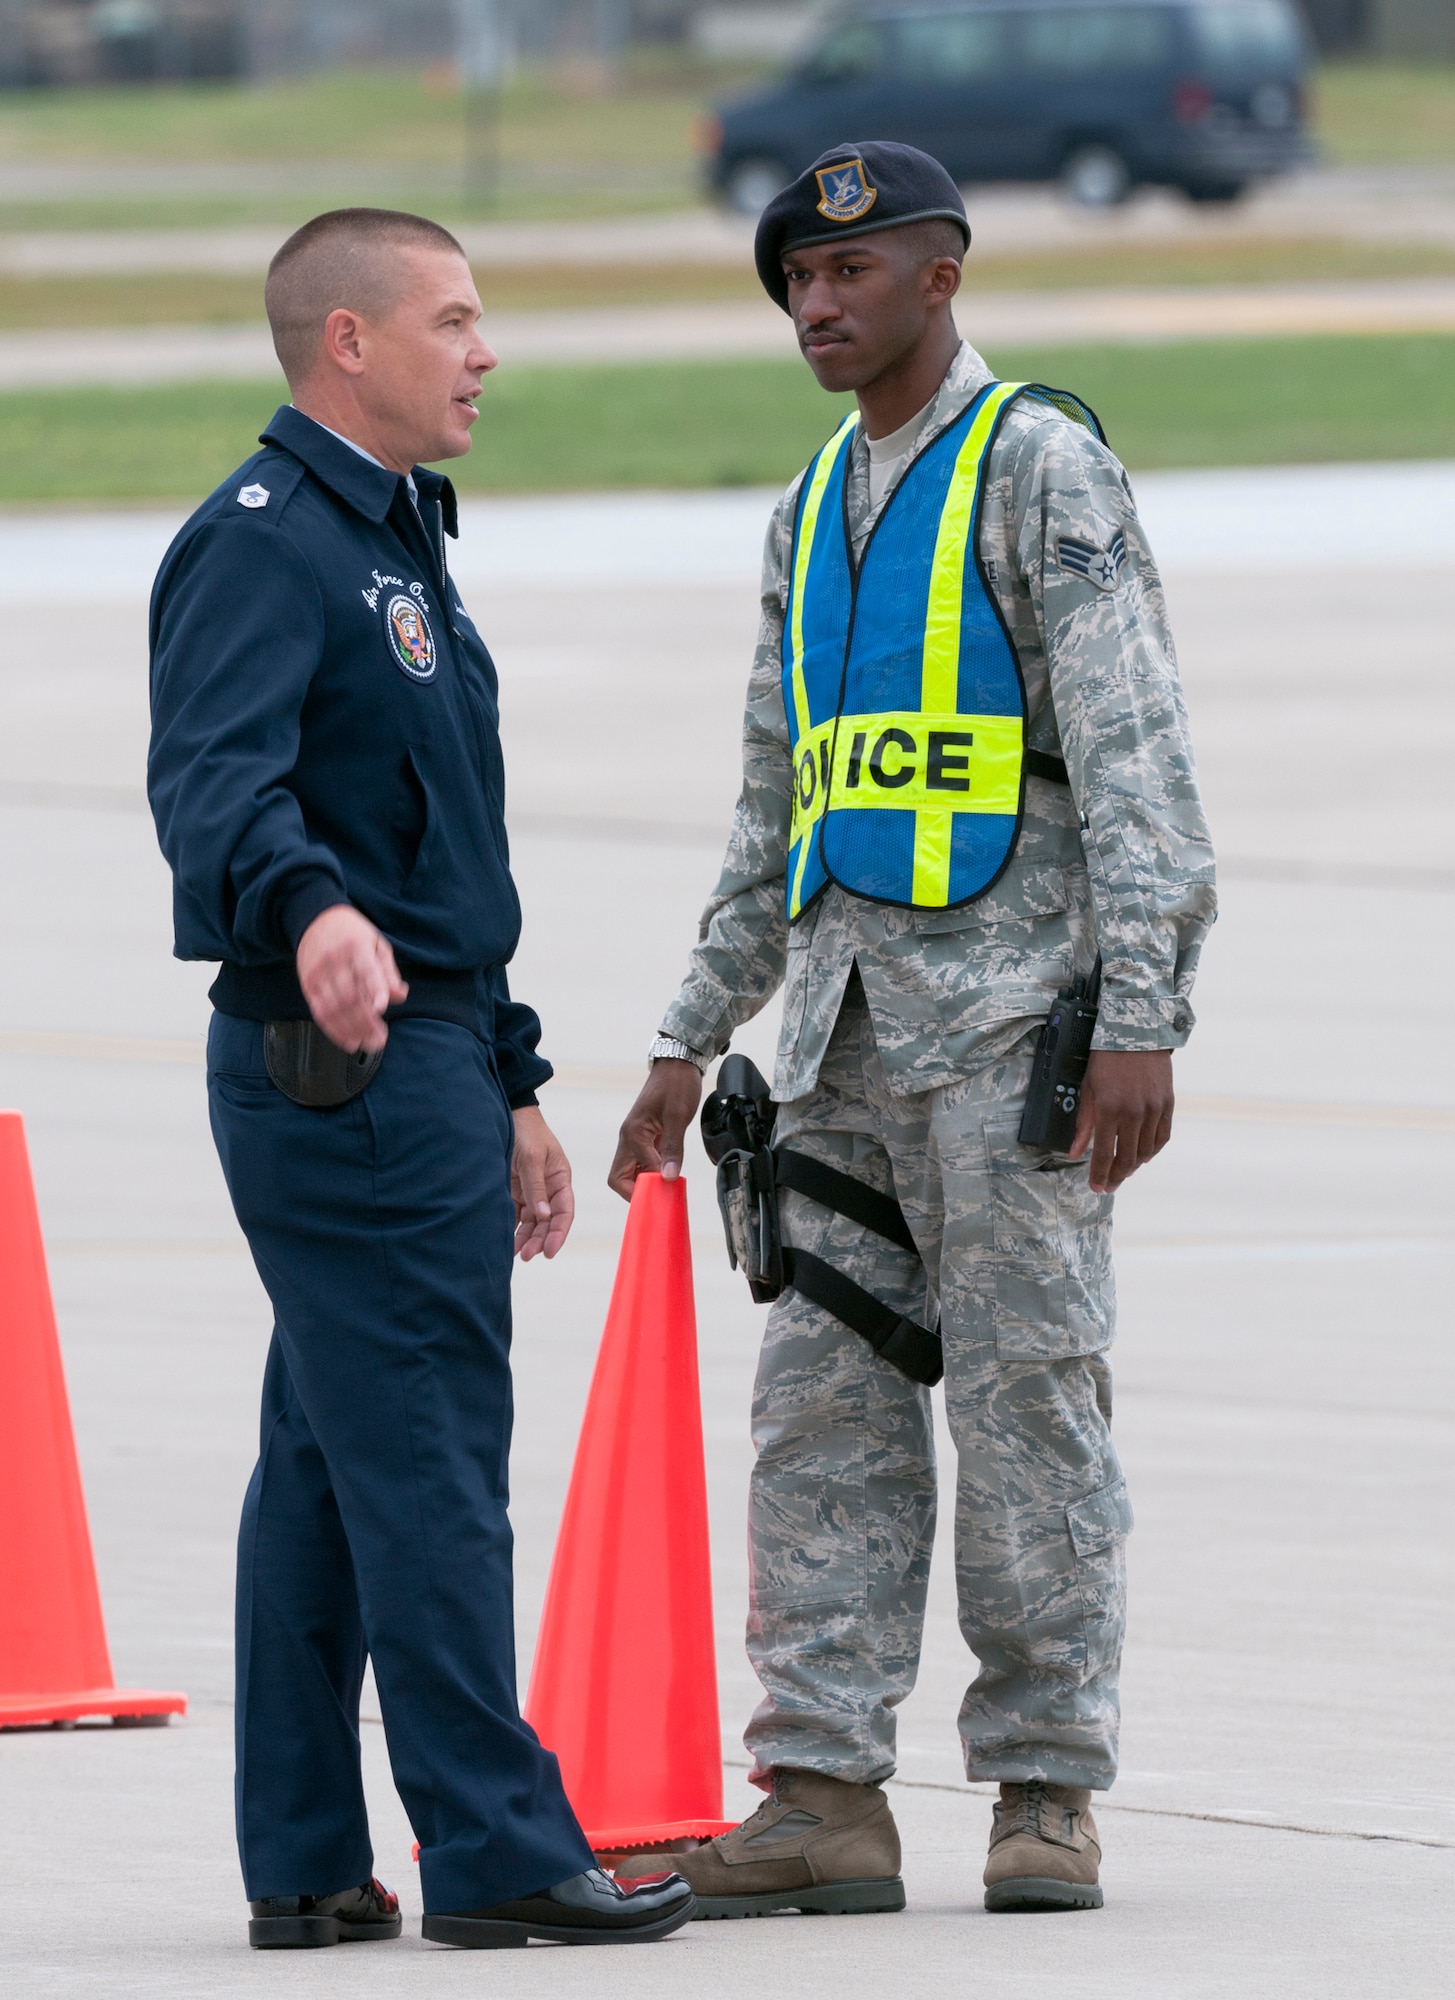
(752, 183)
(1096, 177)
(1213, 192)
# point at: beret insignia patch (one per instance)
(844, 191)
(1103, 567)
(411, 642)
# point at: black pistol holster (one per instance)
(737, 1130)
(311, 1070)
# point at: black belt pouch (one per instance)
(310, 1069)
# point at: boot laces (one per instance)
(1032, 1811)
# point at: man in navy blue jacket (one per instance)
(328, 788)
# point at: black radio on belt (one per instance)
(1062, 1053)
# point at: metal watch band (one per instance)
(675, 1051)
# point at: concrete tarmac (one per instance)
(1285, 1821)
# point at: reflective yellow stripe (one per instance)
(940, 674)
(809, 759)
(808, 522)
(930, 884)
(913, 762)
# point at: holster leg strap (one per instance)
(842, 1193)
(913, 1349)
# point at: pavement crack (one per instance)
(1213, 1818)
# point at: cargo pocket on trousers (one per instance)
(1099, 1526)
(1054, 1293)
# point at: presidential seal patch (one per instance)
(844, 191)
(1103, 567)
(410, 640)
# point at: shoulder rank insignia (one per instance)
(1103, 567)
(844, 191)
(253, 496)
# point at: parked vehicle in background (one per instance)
(59, 44)
(1102, 95)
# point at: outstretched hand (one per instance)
(540, 1181)
(1125, 1115)
(654, 1130)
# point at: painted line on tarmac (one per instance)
(1341, 1250)
(1301, 1111)
(1249, 1817)
(141, 1246)
(101, 1048)
(86, 1047)
(1289, 871)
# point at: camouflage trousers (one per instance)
(842, 1510)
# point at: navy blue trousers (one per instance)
(375, 1524)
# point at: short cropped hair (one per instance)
(935, 237)
(341, 259)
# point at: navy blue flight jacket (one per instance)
(325, 729)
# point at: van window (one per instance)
(1248, 34)
(1081, 41)
(854, 51)
(951, 48)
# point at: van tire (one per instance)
(1096, 176)
(1215, 193)
(751, 183)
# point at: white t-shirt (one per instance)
(887, 455)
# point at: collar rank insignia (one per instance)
(410, 640)
(844, 191)
(1103, 567)
(253, 496)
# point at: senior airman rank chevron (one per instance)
(906, 707)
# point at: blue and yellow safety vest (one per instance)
(906, 706)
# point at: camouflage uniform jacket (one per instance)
(1122, 860)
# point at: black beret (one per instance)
(860, 186)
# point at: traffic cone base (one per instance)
(621, 1839)
(25, 1711)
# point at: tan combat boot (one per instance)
(1044, 1853)
(816, 1844)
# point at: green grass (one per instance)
(1374, 113)
(570, 143)
(754, 423)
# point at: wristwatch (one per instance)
(675, 1051)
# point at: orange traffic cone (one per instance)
(54, 1666)
(624, 1687)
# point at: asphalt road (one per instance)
(1285, 1822)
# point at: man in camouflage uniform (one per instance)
(905, 1056)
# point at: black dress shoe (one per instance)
(589, 1909)
(353, 1916)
